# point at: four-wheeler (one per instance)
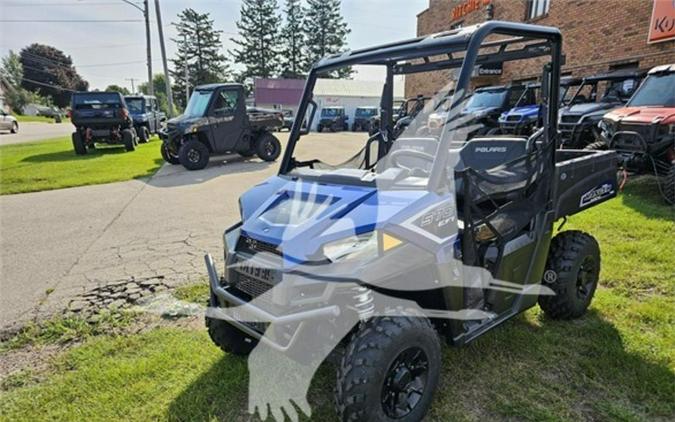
(101, 117)
(216, 121)
(458, 227)
(579, 120)
(8, 122)
(333, 119)
(643, 132)
(363, 118)
(148, 118)
(523, 118)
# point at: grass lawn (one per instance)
(38, 119)
(52, 164)
(615, 363)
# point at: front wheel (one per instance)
(143, 135)
(572, 273)
(15, 127)
(168, 156)
(268, 147)
(78, 144)
(229, 339)
(389, 371)
(194, 155)
(128, 139)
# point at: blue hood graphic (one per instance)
(527, 112)
(305, 215)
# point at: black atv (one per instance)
(101, 117)
(413, 240)
(148, 118)
(334, 119)
(579, 120)
(216, 121)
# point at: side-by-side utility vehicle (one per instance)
(216, 121)
(363, 117)
(148, 118)
(578, 121)
(404, 115)
(334, 119)
(415, 219)
(101, 117)
(643, 132)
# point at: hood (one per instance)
(643, 115)
(184, 121)
(588, 108)
(527, 111)
(305, 215)
(480, 111)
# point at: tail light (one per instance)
(124, 113)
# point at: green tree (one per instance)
(116, 88)
(294, 64)
(199, 46)
(48, 72)
(159, 85)
(258, 39)
(326, 32)
(11, 76)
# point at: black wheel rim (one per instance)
(269, 148)
(193, 156)
(586, 277)
(404, 383)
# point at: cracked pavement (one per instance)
(59, 244)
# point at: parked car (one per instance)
(101, 117)
(8, 122)
(333, 119)
(148, 118)
(362, 118)
(579, 120)
(643, 132)
(217, 121)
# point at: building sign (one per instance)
(492, 69)
(662, 25)
(467, 7)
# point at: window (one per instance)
(226, 102)
(537, 8)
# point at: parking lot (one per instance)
(61, 243)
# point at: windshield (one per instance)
(330, 112)
(97, 100)
(136, 105)
(486, 99)
(656, 90)
(366, 112)
(198, 103)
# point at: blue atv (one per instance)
(523, 118)
(411, 240)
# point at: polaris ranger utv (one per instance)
(334, 119)
(324, 252)
(405, 114)
(363, 117)
(148, 118)
(643, 132)
(216, 121)
(101, 117)
(579, 120)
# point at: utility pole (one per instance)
(187, 81)
(146, 14)
(133, 89)
(169, 95)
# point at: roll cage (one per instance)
(422, 55)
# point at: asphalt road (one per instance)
(30, 131)
(58, 244)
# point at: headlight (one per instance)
(363, 246)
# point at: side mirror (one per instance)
(309, 118)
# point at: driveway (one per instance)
(33, 131)
(59, 244)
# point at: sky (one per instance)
(107, 53)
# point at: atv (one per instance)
(643, 132)
(333, 119)
(101, 117)
(148, 119)
(363, 117)
(579, 120)
(216, 121)
(414, 239)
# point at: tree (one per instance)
(294, 64)
(326, 32)
(199, 46)
(48, 72)
(258, 39)
(116, 88)
(11, 76)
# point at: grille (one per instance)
(644, 130)
(513, 118)
(254, 246)
(570, 118)
(252, 287)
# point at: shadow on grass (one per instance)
(642, 194)
(521, 371)
(69, 155)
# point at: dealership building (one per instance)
(599, 36)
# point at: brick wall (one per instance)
(596, 35)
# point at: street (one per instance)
(33, 131)
(58, 244)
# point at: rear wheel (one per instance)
(168, 156)
(128, 139)
(143, 135)
(78, 144)
(669, 185)
(572, 272)
(268, 147)
(389, 370)
(15, 127)
(194, 155)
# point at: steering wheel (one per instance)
(396, 155)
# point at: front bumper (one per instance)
(247, 310)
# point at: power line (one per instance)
(71, 20)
